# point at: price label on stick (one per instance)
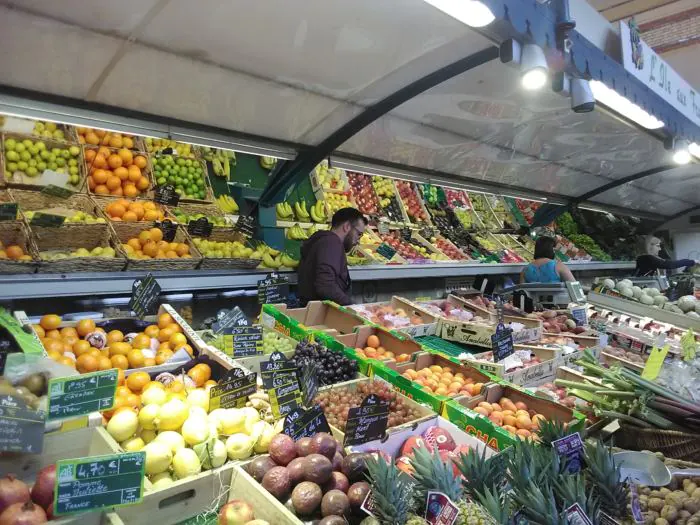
(309, 382)
(502, 343)
(273, 289)
(22, 428)
(439, 509)
(79, 395)
(166, 194)
(576, 516)
(245, 225)
(242, 341)
(367, 422)
(144, 296)
(99, 481)
(654, 363)
(279, 378)
(301, 423)
(570, 449)
(229, 320)
(233, 392)
(200, 228)
(8, 211)
(169, 229)
(48, 220)
(580, 316)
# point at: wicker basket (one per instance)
(147, 171)
(103, 202)
(16, 233)
(223, 263)
(130, 230)
(80, 236)
(33, 183)
(209, 197)
(35, 201)
(209, 210)
(671, 443)
(69, 135)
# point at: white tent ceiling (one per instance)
(296, 71)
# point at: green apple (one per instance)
(41, 166)
(19, 147)
(60, 161)
(25, 156)
(73, 170)
(65, 153)
(32, 171)
(74, 151)
(41, 146)
(12, 167)
(56, 152)
(74, 179)
(72, 162)
(58, 134)
(45, 154)
(32, 163)
(34, 150)
(39, 127)
(12, 156)
(27, 143)
(10, 144)
(22, 166)
(50, 126)
(52, 166)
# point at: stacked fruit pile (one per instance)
(365, 196)
(387, 316)
(187, 176)
(449, 249)
(49, 130)
(97, 251)
(80, 217)
(411, 201)
(116, 172)
(441, 380)
(178, 148)
(223, 249)
(133, 211)
(388, 200)
(403, 247)
(13, 253)
(330, 178)
(333, 367)
(227, 204)
(320, 482)
(87, 347)
(338, 201)
(456, 198)
(100, 137)
(336, 402)
(374, 350)
(27, 161)
(276, 342)
(185, 218)
(516, 417)
(150, 245)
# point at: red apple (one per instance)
(236, 512)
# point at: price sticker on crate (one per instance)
(79, 395)
(99, 482)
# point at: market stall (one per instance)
(158, 184)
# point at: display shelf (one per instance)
(33, 286)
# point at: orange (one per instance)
(50, 322)
(165, 320)
(115, 141)
(85, 326)
(176, 327)
(135, 358)
(90, 155)
(126, 156)
(137, 208)
(140, 161)
(121, 377)
(53, 345)
(129, 216)
(142, 183)
(138, 381)
(118, 192)
(70, 340)
(14, 252)
(120, 361)
(373, 341)
(104, 151)
(103, 363)
(152, 331)
(67, 361)
(113, 182)
(162, 356)
(115, 336)
(149, 361)
(148, 205)
(54, 355)
(151, 215)
(87, 363)
(182, 249)
(100, 176)
(38, 330)
(121, 171)
(100, 161)
(133, 400)
(114, 161)
(91, 183)
(134, 172)
(156, 234)
(176, 386)
(119, 348)
(117, 211)
(154, 384)
(170, 254)
(123, 390)
(141, 341)
(165, 334)
(53, 334)
(177, 340)
(188, 349)
(150, 249)
(91, 138)
(200, 373)
(101, 189)
(210, 383)
(128, 142)
(144, 237)
(69, 331)
(164, 346)
(134, 243)
(131, 191)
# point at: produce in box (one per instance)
(116, 172)
(27, 161)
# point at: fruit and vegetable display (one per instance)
(227, 204)
(224, 249)
(119, 172)
(332, 367)
(336, 401)
(403, 247)
(97, 251)
(187, 175)
(330, 178)
(180, 149)
(387, 315)
(412, 202)
(388, 199)
(101, 137)
(374, 350)
(449, 249)
(363, 190)
(221, 160)
(134, 210)
(39, 163)
(150, 245)
(72, 216)
(185, 218)
(651, 297)
(276, 342)
(444, 381)
(88, 347)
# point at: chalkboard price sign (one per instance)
(245, 225)
(242, 341)
(22, 428)
(502, 343)
(309, 382)
(200, 227)
(79, 395)
(57, 191)
(99, 481)
(367, 422)
(386, 251)
(169, 229)
(8, 211)
(167, 195)
(48, 220)
(144, 296)
(232, 392)
(273, 289)
(228, 320)
(301, 423)
(279, 378)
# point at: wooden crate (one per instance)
(63, 445)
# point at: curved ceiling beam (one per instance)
(675, 216)
(289, 172)
(621, 182)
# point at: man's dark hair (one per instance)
(351, 215)
(544, 248)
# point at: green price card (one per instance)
(47, 219)
(57, 191)
(8, 211)
(79, 395)
(99, 481)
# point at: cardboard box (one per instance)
(460, 413)
(391, 341)
(317, 316)
(427, 326)
(392, 372)
(531, 375)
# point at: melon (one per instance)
(646, 299)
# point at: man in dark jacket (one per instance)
(323, 269)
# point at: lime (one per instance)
(161, 181)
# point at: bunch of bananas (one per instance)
(301, 211)
(273, 259)
(318, 212)
(227, 204)
(297, 233)
(284, 211)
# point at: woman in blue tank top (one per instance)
(544, 268)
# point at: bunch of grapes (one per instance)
(274, 341)
(333, 367)
(336, 402)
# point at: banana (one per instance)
(288, 261)
(298, 211)
(272, 251)
(269, 261)
(303, 207)
(314, 215)
(227, 168)
(281, 212)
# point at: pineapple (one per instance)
(604, 479)
(550, 431)
(473, 514)
(479, 471)
(572, 489)
(391, 492)
(496, 504)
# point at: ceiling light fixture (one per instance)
(681, 153)
(533, 65)
(610, 98)
(471, 12)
